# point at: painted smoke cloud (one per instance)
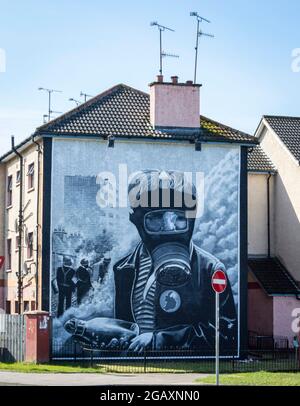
(217, 230)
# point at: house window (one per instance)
(17, 242)
(16, 306)
(26, 306)
(8, 250)
(32, 306)
(30, 175)
(9, 190)
(18, 177)
(8, 307)
(30, 245)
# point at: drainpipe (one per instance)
(20, 227)
(268, 215)
(39, 151)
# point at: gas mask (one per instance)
(166, 233)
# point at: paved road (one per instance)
(45, 379)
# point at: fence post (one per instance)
(75, 351)
(145, 361)
(91, 358)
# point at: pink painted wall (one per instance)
(260, 311)
(282, 322)
(175, 105)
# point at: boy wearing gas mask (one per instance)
(163, 288)
(164, 285)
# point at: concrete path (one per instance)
(82, 379)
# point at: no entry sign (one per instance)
(219, 284)
(219, 281)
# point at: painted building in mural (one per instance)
(141, 202)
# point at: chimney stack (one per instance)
(174, 105)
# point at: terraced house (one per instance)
(274, 264)
(65, 253)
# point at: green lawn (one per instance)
(261, 378)
(52, 368)
(226, 377)
(122, 367)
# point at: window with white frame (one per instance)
(30, 175)
(8, 252)
(17, 242)
(9, 190)
(26, 306)
(30, 245)
(18, 177)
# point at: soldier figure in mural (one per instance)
(65, 285)
(103, 267)
(83, 280)
(163, 293)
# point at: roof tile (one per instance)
(273, 276)
(288, 130)
(125, 112)
(258, 161)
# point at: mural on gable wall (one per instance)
(135, 278)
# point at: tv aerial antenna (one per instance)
(77, 102)
(198, 35)
(50, 111)
(85, 95)
(162, 54)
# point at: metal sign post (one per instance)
(217, 336)
(219, 284)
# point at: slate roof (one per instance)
(288, 130)
(258, 161)
(125, 112)
(214, 130)
(273, 276)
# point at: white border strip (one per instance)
(239, 254)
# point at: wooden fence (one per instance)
(12, 338)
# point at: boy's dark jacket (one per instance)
(192, 326)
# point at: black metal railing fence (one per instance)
(178, 360)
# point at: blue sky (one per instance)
(91, 45)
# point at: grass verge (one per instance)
(128, 368)
(228, 374)
(261, 378)
(50, 368)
